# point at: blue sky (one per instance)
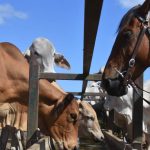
(62, 22)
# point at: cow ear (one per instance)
(80, 107)
(61, 61)
(144, 8)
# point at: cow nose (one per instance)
(100, 139)
(76, 148)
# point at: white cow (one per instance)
(146, 113)
(89, 127)
(124, 105)
(47, 56)
(93, 87)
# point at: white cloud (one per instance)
(7, 11)
(130, 3)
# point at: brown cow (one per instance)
(58, 111)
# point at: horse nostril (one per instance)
(106, 83)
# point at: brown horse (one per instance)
(58, 111)
(130, 55)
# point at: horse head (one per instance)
(130, 54)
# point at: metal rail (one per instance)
(66, 76)
(91, 22)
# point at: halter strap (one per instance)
(128, 74)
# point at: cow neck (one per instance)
(49, 93)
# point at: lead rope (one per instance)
(135, 87)
(141, 88)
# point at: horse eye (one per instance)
(127, 34)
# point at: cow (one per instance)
(57, 109)
(47, 56)
(89, 127)
(123, 107)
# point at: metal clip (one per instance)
(131, 62)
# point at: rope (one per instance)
(136, 89)
(141, 88)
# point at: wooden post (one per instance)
(33, 97)
(137, 116)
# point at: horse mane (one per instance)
(127, 18)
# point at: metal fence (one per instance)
(91, 22)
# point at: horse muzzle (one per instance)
(114, 87)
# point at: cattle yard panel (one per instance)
(92, 15)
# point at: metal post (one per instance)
(137, 116)
(33, 97)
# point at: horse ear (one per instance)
(61, 61)
(144, 8)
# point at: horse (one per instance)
(58, 111)
(130, 55)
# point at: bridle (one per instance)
(127, 75)
(144, 29)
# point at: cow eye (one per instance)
(90, 118)
(73, 117)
